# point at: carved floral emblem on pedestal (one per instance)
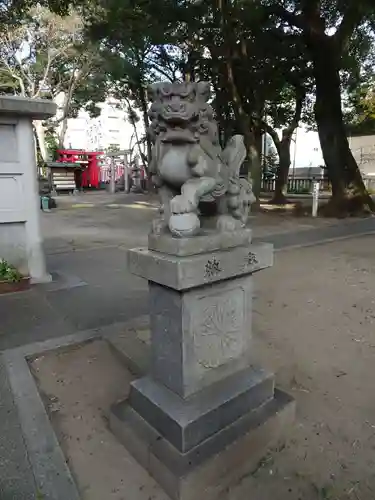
(217, 328)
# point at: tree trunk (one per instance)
(146, 121)
(222, 16)
(283, 149)
(222, 112)
(342, 168)
(148, 140)
(41, 138)
(281, 184)
(62, 133)
(255, 171)
(253, 142)
(137, 140)
(66, 106)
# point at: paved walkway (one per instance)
(347, 228)
(92, 288)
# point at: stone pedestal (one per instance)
(20, 237)
(204, 416)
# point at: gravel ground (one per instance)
(314, 326)
(125, 220)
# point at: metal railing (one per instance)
(303, 185)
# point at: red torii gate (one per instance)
(90, 159)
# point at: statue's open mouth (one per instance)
(179, 136)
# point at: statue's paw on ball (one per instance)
(227, 223)
(181, 204)
(184, 225)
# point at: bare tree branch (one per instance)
(351, 19)
(292, 18)
(300, 99)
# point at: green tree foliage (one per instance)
(12, 11)
(153, 40)
(45, 55)
(265, 60)
(361, 116)
(335, 35)
(136, 53)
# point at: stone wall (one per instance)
(20, 236)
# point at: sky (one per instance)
(306, 151)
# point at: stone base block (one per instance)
(42, 279)
(187, 422)
(208, 241)
(213, 465)
(194, 271)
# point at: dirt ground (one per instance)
(125, 220)
(314, 326)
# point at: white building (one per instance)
(305, 151)
(111, 129)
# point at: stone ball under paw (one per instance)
(227, 223)
(184, 225)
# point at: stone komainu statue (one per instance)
(188, 165)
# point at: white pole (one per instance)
(126, 179)
(315, 204)
(112, 180)
(295, 153)
(126, 174)
(264, 148)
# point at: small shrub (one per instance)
(9, 272)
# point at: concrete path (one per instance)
(92, 288)
(347, 228)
